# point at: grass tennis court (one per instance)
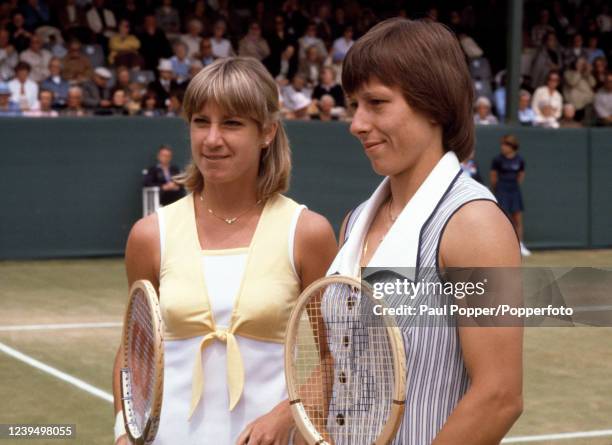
(568, 371)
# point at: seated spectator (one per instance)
(221, 47)
(135, 96)
(43, 109)
(287, 66)
(74, 105)
(161, 175)
(180, 62)
(168, 18)
(71, 17)
(253, 44)
(122, 79)
(148, 106)
(325, 107)
(8, 56)
(542, 28)
(76, 66)
(194, 69)
(579, 84)
(298, 108)
(499, 98)
(576, 50)
(153, 43)
(600, 69)
(19, 35)
(205, 55)
(38, 58)
(200, 10)
(568, 118)
(174, 107)
(96, 93)
(118, 104)
(8, 108)
(293, 94)
(342, 45)
(54, 42)
(164, 84)
(193, 37)
(278, 41)
(101, 21)
(483, 114)
(36, 13)
(548, 94)
(547, 58)
(56, 83)
(545, 116)
(526, 115)
(310, 66)
(24, 91)
(593, 49)
(123, 45)
(603, 102)
(310, 39)
(327, 85)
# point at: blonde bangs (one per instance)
(242, 86)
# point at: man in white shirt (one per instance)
(38, 58)
(24, 91)
(548, 94)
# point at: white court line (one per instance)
(561, 436)
(50, 327)
(57, 373)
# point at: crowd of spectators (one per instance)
(565, 75)
(136, 57)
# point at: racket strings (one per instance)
(141, 360)
(344, 365)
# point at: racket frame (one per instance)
(147, 435)
(302, 421)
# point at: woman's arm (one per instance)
(142, 258)
(314, 250)
(493, 179)
(492, 355)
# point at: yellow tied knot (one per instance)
(235, 369)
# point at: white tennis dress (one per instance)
(224, 272)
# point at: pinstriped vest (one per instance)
(436, 374)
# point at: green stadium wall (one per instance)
(71, 187)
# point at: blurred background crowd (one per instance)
(136, 57)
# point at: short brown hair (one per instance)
(511, 141)
(424, 60)
(241, 86)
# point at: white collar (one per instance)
(400, 246)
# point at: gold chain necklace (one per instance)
(230, 220)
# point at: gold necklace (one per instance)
(230, 220)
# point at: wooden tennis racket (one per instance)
(142, 372)
(345, 366)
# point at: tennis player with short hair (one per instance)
(229, 261)
(411, 94)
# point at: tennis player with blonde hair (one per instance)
(229, 261)
(411, 94)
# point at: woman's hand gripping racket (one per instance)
(344, 365)
(142, 372)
